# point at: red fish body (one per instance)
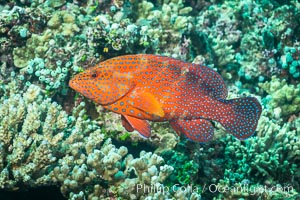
(157, 88)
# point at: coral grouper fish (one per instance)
(157, 88)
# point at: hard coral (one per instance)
(41, 145)
(281, 96)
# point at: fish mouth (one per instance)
(74, 84)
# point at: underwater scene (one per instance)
(150, 99)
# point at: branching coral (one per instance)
(164, 26)
(41, 145)
(272, 155)
(117, 36)
(283, 100)
(219, 23)
(223, 52)
(36, 46)
(271, 158)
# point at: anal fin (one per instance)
(132, 123)
(199, 130)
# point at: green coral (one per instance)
(171, 21)
(290, 60)
(283, 98)
(269, 158)
(261, 158)
(63, 22)
(184, 169)
(223, 51)
(54, 77)
(36, 46)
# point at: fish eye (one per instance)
(94, 75)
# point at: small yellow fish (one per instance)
(157, 88)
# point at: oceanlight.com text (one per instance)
(214, 188)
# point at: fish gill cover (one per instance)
(50, 136)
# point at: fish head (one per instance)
(102, 84)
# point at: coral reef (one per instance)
(50, 136)
(265, 154)
(41, 145)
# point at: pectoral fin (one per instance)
(147, 103)
(131, 123)
(199, 130)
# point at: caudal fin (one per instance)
(242, 119)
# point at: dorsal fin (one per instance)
(210, 82)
